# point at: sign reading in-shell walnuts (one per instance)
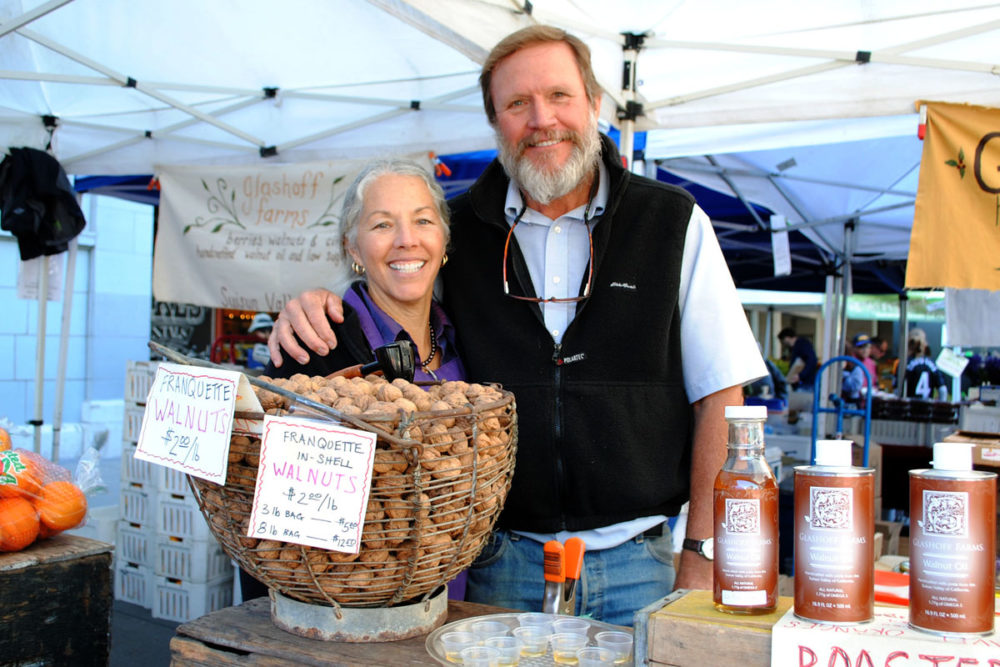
(312, 484)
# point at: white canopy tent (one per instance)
(122, 86)
(133, 84)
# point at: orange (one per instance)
(18, 524)
(27, 473)
(61, 505)
(4, 440)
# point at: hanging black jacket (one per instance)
(37, 203)
(605, 425)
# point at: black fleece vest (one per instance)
(604, 421)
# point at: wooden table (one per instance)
(55, 602)
(245, 635)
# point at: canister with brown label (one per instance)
(952, 544)
(834, 535)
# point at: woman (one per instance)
(394, 229)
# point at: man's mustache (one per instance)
(542, 137)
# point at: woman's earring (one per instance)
(444, 260)
(358, 269)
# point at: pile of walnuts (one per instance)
(443, 465)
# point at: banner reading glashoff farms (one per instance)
(955, 240)
(250, 238)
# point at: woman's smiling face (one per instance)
(400, 240)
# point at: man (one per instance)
(260, 327)
(602, 300)
(854, 379)
(923, 378)
(802, 360)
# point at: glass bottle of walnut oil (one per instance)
(746, 519)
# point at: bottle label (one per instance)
(746, 546)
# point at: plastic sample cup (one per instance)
(565, 645)
(619, 642)
(534, 640)
(573, 626)
(454, 643)
(483, 630)
(536, 618)
(595, 656)
(509, 647)
(480, 656)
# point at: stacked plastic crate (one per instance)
(166, 558)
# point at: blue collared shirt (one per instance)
(557, 252)
(380, 329)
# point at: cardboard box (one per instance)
(986, 451)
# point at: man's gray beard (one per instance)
(546, 186)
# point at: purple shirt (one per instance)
(380, 329)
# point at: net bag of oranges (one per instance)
(443, 466)
(38, 499)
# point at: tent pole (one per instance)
(904, 350)
(63, 348)
(633, 109)
(43, 295)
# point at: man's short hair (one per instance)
(787, 332)
(533, 36)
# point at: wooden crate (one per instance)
(55, 603)
(688, 630)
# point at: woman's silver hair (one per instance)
(354, 198)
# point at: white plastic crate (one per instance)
(180, 517)
(132, 425)
(136, 472)
(134, 583)
(181, 601)
(173, 482)
(138, 504)
(190, 560)
(898, 432)
(139, 380)
(134, 544)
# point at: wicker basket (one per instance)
(439, 482)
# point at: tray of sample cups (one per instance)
(530, 639)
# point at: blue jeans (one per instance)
(615, 583)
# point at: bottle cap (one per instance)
(952, 456)
(746, 412)
(835, 453)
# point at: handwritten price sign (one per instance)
(188, 420)
(312, 484)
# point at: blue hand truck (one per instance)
(840, 408)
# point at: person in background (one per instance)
(394, 229)
(871, 361)
(802, 362)
(923, 379)
(772, 385)
(885, 364)
(602, 300)
(260, 327)
(854, 382)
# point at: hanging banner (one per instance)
(250, 238)
(955, 241)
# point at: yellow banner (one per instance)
(955, 240)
